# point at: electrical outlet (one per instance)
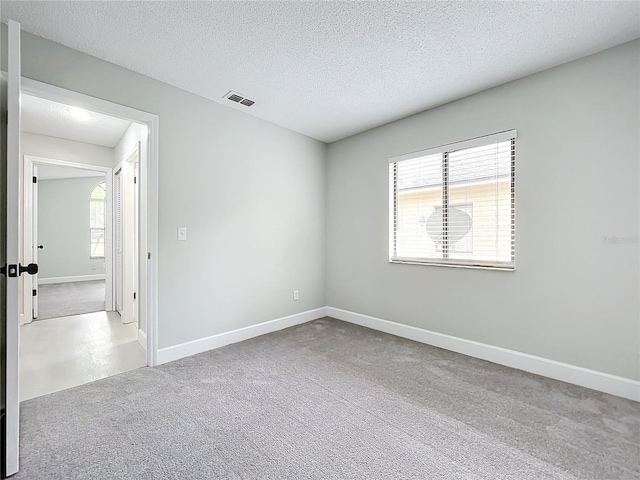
(93, 267)
(296, 295)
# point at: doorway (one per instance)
(13, 87)
(66, 204)
(81, 211)
(67, 232)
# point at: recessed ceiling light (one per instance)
(79, 114)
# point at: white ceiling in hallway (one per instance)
(57, 172)
(332, 69)
(63, 121)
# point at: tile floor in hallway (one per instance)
(60, 353)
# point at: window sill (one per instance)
(506, 268)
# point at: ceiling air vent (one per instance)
(235, 97)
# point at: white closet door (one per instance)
(119, 239)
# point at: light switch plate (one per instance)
(182, 233)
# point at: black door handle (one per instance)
(31, 269)
(40, 247)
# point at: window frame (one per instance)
(92, 200)
(445, 150)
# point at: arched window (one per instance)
(97, 220)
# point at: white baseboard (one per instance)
(187, 349)
(142, 339)
(76, 278)
(603, 382)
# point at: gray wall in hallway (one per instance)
(63, 228)
(67, 150)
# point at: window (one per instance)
(455, 205)
(97, 219)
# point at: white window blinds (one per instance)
(455, 204)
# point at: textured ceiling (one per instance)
(56, 120)
(332, 69)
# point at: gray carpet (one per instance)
(329, 400)
(74, 298)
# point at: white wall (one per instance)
(63, 228)
(573, 298)
(251, 194)
(68, 150)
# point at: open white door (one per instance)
(118, 244)
(12, 286)
(29, 240)
(130, 236)
(136, 239)
(28, 285)
(126, 237)
(34, 239)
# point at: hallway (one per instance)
(61, 353)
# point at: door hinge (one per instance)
(34, 292)
(148, 255)
(135, 179)
(134, 295)
(35, 179)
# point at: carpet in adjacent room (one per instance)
(72, 298)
